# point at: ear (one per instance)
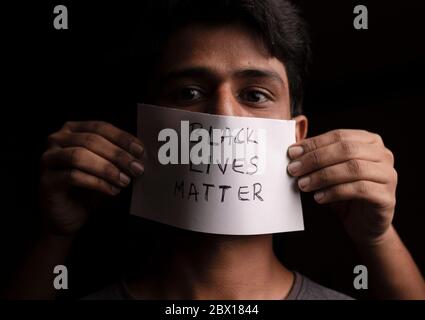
(301, 127)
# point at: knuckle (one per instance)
(310, 145)
(393, 201)
(90, 140)
(110, 171)
(336, 191)
(348, 148)
(122, 157)
(99, 183)
(76, 154)
(365, 132)
(67, 124)
(362, 187)
(99, 126)
(323, 176)
(315, 158)
(387, 200)
(126, 139)
(52, 139)
(375, 136)
(394, 176)
(354, 168)
(389, 155)
(338, 135)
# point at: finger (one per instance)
(119, 137)
(331, 137)
(372, 192)
(102, 147)
(337, 153)
(87, 161)
(79, 179)
(348, 171)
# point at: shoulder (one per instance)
(306, 289)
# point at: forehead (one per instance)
(220, 48)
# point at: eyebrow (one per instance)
(202, 72)
(259, 73)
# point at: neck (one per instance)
(205, 266)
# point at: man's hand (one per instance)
(353, 171)
(85, 160)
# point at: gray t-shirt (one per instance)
(306, 289)
(302, 289)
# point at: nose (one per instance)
(225, 103)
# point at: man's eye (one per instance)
(189, 94)
(254, 96)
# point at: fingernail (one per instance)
(318, 196)
(137, 168)
(115, 190)
(136, 150)
(125, 180)
(295, 152)
(294, 166)
(304, 182)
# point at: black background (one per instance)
(366, 79)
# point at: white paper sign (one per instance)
(243, 196)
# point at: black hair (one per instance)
(277, 22)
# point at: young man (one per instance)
(239, 58)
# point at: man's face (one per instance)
(222, 70)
